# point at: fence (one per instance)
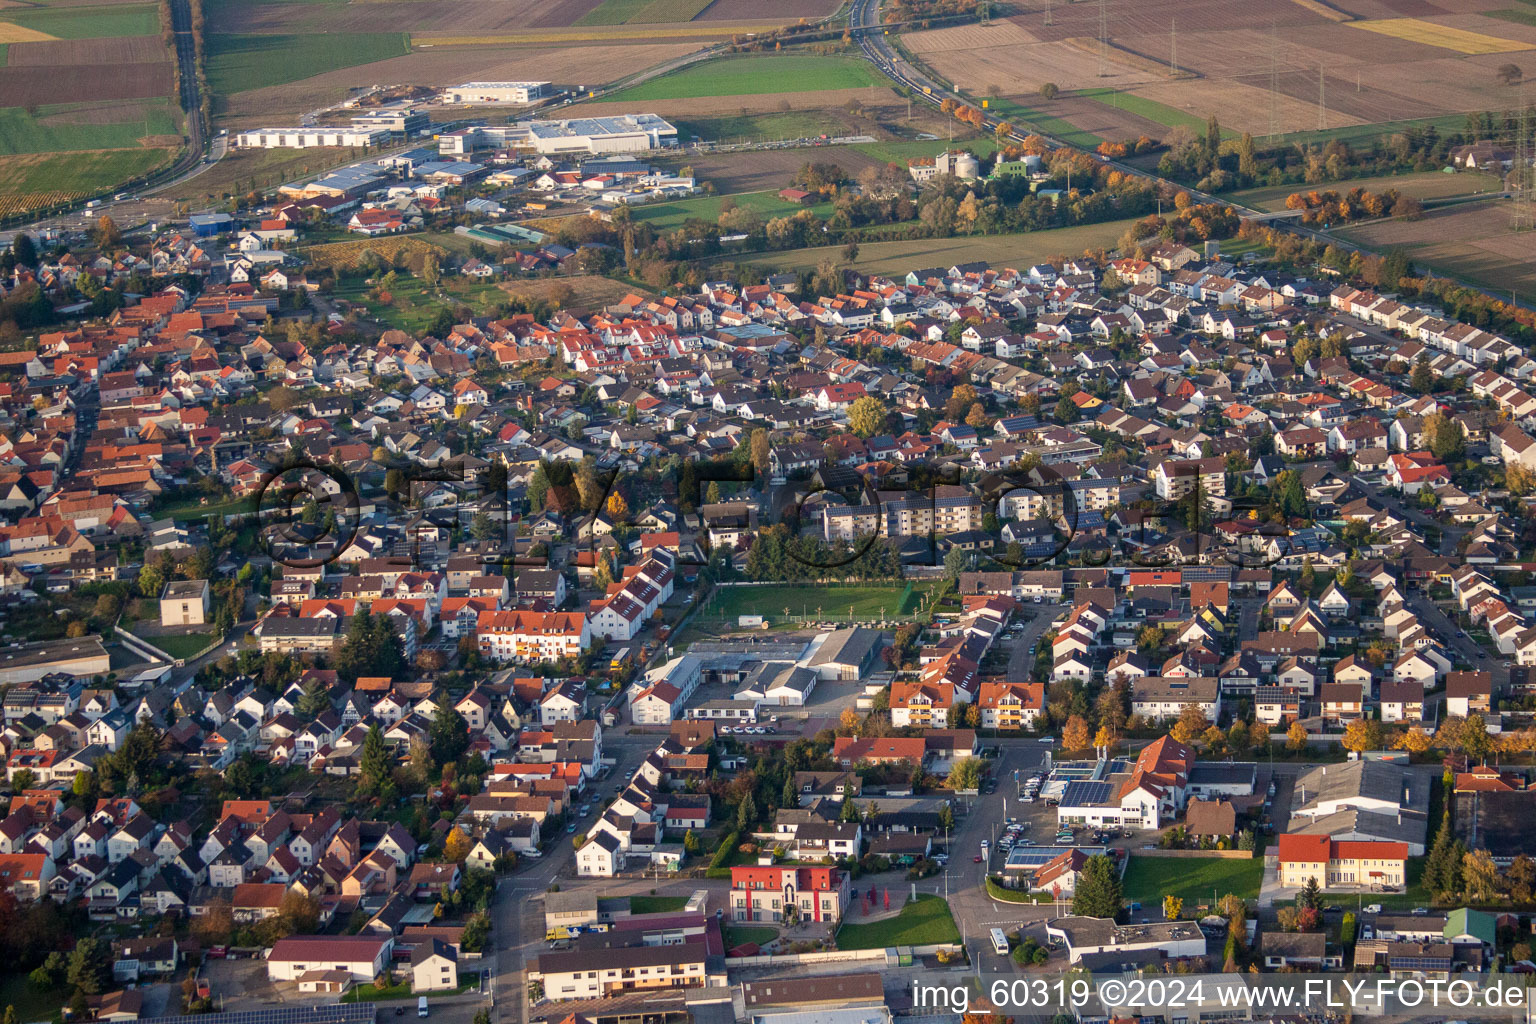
(1198, 854)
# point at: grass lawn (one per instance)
(868, 601)
(21, 131)
(901, 152)
(750, 76)
(237, 63)
(664, 216)
(739, 935)
(926, 922)
(187, 511)
(90, 22)
(413, 308)
(1149, 879)
(656, 904)
(181, 646)
(1028, 117)
(31, 1005)
(1016, 250)
(1420, 185)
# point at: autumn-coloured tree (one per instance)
(1191, 724)
(1361, 735)
(866, 416)
(618, 508)
(1414, 740)
(1295, 737)
(1074, 735)
(1103, 738)
(457, 846)
(1173, 907)
(848, 721)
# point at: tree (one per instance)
(977, 417)
(966, 774)
(1098, 892)
(1414, 740)
(849, 721)
(1509, 74)
(1246, 164)
(761, 451)
(960, 401)
(457, 846)
(1192, 722)
(151, 580)
(1173, 907)
(617, 507)
(374, 761)
(1295, 738)
(1149, 638)
(371, 648)
(746, 814)
(1074, 735)
(1361, 735)
(1422, 379)
(482, 527)
(866, 417)
(850, 812)
(24, 250)
(1049, 90)
(712, 493)
(956, 561)
(431, 270)
(1480, 876)
(90, 966)
(1103, 738)
(691, 844)
(1311, 895)
(107, 234)
(1445, 438)
(1520, 879)
(448, 733)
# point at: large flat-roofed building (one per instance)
(310, 138)
(25, 663)
(1085, 936)
(395, 120)
(595, 973)
(496, 92)
(627, 133)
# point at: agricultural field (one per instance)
(263, 168)
(1018, 250)
(237, 63)
(39, 180)
(751, 76)
(642, 12)
(580, 292)
(348, 256)
(92, 79)
(1255, 65)
(664, 216)
(1473, 242)
(1426, 185)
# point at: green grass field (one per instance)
(901, 152)
(868, 601)
(1149, 879)
(642, 12)
(181, 646)
(1420, 185)
(90, 22)
(1029, 118)
(5, 52)
(1017, 250)
(768, 127)
(80, 172)
(656, 904)
(671, 215)
(1356, 134)
(1520, 16)
(22, 132)
(1152, 110)
(237, 63)
(748, 76)
(926, 922)
(413, 308)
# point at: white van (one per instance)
(421, 1006)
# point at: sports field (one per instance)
(768, 204)
(808, 601)
(746, 76)
(1414, 30)
(237, 63)
(1149, 879)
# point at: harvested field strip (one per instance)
(10, 33)
(671, 33)
(749, 76)
(240, 62)
(1124, 56)
(25, 87)
(1316, 7)
(1162, 113)
(88, 22)
(349, 255)
(1415, 30)
(124, 50)
(21, 132)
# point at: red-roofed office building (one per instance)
(766, 893)
(1342, 863)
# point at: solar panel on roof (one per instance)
(329, 1013)
(1086, 794)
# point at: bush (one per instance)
(723, 855)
